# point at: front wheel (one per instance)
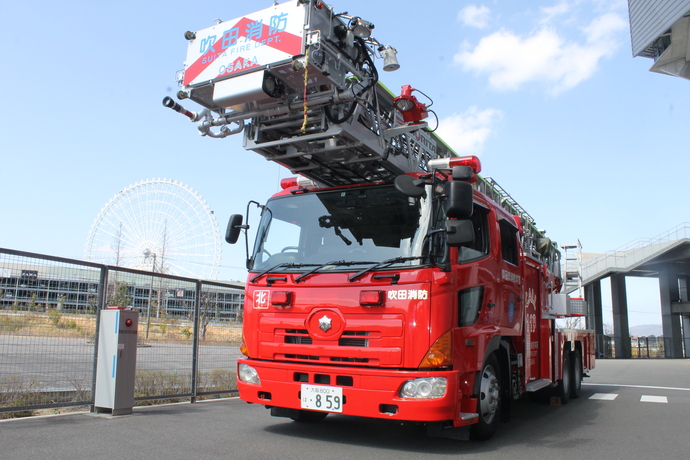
(563, 389)
(576, 384)
(489, 404)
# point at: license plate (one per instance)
(323, 398)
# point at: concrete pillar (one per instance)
(621, 328)
(686, 335)
(685, 318)
(670, 292)
(595, 317)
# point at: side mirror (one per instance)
(409, 186)
(459, 203)
(460, 232)
(234, 228)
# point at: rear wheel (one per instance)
(489, 404)
(563, 389)
(576, 384)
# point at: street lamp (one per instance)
(147, 254)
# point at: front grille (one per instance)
(348, 339)
(368, 340)
(349, 360)
(298, 339)
(353, 339)
(299, 336)
(349, 342)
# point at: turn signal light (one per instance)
(243, 347)
(440, 353)
(371, 298)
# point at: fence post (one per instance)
(102, 300)
(195, 339)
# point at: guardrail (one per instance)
(49, 314)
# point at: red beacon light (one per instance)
(411, 109)
(297, 181)
(449, 163)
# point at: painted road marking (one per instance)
(644, 398)
(604, 396)
(634, 386)
(654, 399)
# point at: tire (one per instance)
(564, 385)
(309, 416)
(489, 401)
(576, 374)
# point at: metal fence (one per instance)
(188, 333)
(641, 347)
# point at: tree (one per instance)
(208, 301)
(121, 298)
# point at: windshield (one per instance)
(364, 225)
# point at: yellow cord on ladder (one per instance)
(306, 81)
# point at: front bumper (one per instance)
(366, 392)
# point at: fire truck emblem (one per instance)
(325, 323)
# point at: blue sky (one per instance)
(546, 93)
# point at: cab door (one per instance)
(510, 266)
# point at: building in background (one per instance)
(660, 29)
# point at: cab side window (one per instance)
(480, 246)
(509, 242)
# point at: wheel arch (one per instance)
(500, 346)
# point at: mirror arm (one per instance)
(249, 260)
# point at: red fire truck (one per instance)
(388, 279)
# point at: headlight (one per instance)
(249, 375)
(424, 388)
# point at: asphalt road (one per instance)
(632, 409)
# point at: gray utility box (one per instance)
(117, 359)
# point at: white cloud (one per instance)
(475, 16)
(467, 132)
(552, 12)
(511, 60)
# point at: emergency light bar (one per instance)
(449, 163)
(297, 181)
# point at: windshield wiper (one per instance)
(276, 267)
(385, 263)
(322, 266)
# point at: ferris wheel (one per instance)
(158, 225)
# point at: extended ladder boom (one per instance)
(300, 81)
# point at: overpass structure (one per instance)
(666, 257)
(660, 30)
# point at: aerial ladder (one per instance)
(299, 81)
